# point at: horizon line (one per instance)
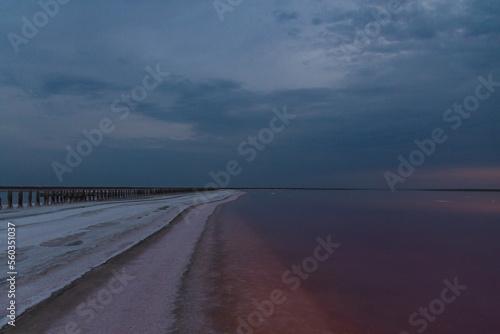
(6, 188)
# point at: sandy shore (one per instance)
(134, 292)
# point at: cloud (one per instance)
(283, 17)
(61, 84)
(226, 77)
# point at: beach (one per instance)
(112, 277)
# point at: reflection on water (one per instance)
(402, 255)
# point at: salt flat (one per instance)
(58, 244)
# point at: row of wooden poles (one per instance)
(57, 196)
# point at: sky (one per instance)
(250, 93)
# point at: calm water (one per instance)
(387, 276)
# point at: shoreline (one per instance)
(186, 223)
(234, 273)
(201, 306)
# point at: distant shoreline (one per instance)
(369, 189)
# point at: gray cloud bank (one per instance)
(354, 118)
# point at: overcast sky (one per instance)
(362, 91)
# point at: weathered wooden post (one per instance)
(20, 199)
(9, 199)
(30, 198)
(37, 198)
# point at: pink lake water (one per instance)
(408, 262)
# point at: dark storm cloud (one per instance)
(60, 84)
(282, 17)
(226, 78)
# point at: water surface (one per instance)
(397, 250)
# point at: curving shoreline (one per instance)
(158, 261)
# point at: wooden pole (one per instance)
(30, 198)
(20, 199)
(9, 199)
